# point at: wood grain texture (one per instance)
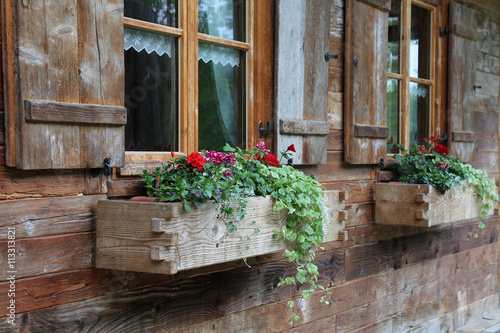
(461, 79)
(74, 113)
(365, 260)
(125, 239)
(302, 38)
(15, 184)
(398, 204)
(51, 254)
(124, 188)
(365, 79)
(48, 216)
(51, 65)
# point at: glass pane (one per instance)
(420, 42)
(221, 101)
(394, 37)
(393, 115)
(151, 89)
(154, 11)
(419, 112)
(223, 18)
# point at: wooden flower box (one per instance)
(423, 205)
(163, 238)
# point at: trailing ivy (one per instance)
(229, 178)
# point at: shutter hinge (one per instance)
(106, 168)
(270, 127)
(445, 31)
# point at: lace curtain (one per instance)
(152, 42)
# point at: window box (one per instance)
(423, 205)
(163, 238)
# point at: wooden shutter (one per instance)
(301, 78)
(461, 80)
(63, 76)
(365, 91)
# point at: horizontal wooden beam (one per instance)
(74, 113)
(463, 136)
(369, 131)
(304, 127)
(464, 32)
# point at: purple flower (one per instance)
(228, 173)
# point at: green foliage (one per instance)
(230, 177)
(431, 164)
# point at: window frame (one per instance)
(259, 56)
(435, 124)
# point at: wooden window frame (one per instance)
(404, 76)
(259, 77)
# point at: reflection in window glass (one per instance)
(154, 11)
(419, 112)
(394, 38)
(221, 100)
(393, 115)
(222, 18)
(151, 89)
(420, 42)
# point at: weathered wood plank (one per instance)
(335, 140)
(22, 184)
(365, 79)
(2, 156)
(337, 170)
(304, 127)
(487, 161)
(51, 254)
(48, 216)
(335, 111)
(124, 188)
(364, 260)
(359, 191)
(74, 113)
(461, 80)
(2, 129)
(369, 131)
(298, 72)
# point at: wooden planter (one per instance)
(163, 238)
(423, 205)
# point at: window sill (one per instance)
(137, 162)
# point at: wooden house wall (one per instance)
(382, 279)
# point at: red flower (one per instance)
(196, 160)
(422, 149)
(440, 149)
(172, 153)
(291, 148)
(272, 160)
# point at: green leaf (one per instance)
(256, 230)
(187, 207)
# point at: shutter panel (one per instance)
(461, 80)
(63, 73)
(301, 78)
(365, 116)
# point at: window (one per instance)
(410, 73)
(188, 74)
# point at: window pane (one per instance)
(394, 37)
(420, 42)
(393, 115)
(221, 101)
(223, 18)
(419, 112)
(154, 11)
(151, 89)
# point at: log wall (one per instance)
(383, 279)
